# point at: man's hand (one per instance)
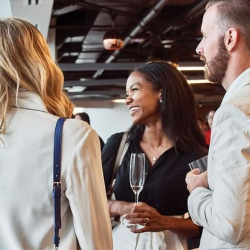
(195, 179)
(119, 207)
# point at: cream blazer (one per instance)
(224, 209)
(26, 177)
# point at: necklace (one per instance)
(154, 158)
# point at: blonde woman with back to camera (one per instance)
(31, 100)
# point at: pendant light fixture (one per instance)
(113, 39)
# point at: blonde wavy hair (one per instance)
(26, 63)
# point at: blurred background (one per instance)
(97, 43)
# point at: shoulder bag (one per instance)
(119, 157)
(57, 180)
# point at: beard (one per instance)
(217, 67)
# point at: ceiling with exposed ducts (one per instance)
(166, 30)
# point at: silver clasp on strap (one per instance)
(56, 183)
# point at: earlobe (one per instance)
(160, 96)
(231, 39)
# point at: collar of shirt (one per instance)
(28, 100)
(242, 80)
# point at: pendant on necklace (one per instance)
(154, 158)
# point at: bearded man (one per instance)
(220, 198)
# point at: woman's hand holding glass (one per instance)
(148, 217)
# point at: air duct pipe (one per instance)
(152, 13)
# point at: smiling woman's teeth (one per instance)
(134, 109)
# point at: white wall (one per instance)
(5, 10)
(107, 121)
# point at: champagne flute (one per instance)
(137, 173)
(137, 179)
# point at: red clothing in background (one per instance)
(207, 135)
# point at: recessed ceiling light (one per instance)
(198, 81)
(71, 54)
(75, 39)
(191, 68)
(167, 41)
(77, 89)
(137, 40)
(119, 100)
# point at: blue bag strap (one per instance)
(57, 181)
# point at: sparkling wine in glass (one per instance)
(136, 178)
(137, 173)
